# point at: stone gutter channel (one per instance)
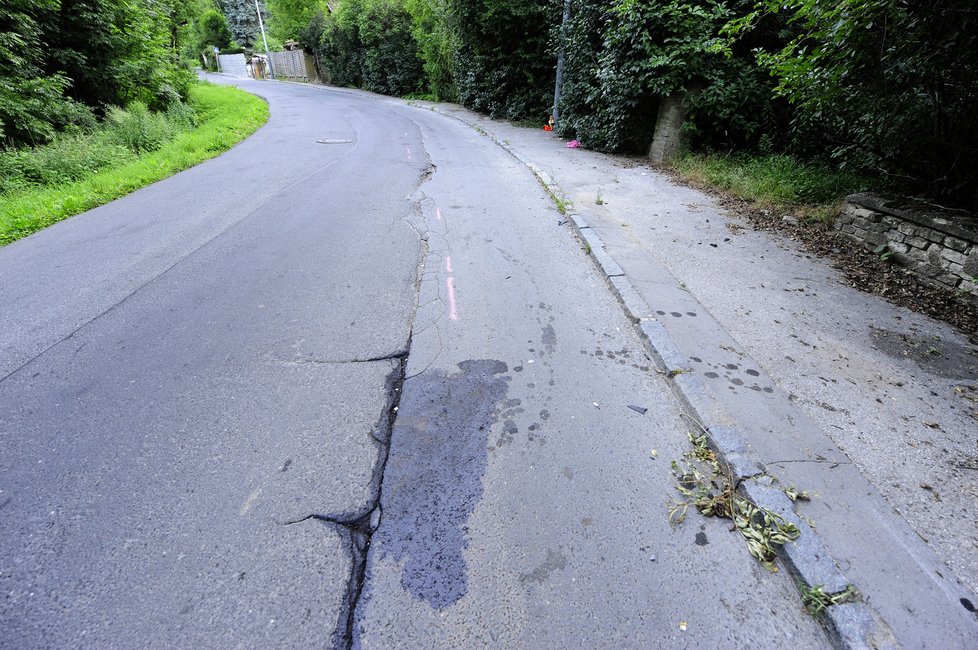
(848, 625)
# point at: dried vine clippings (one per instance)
(708, 486)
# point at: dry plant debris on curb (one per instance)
(709, 487)
(816, 599)
(862, 269)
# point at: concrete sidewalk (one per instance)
(866, 405)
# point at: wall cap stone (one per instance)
(958, 223)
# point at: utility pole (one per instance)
(560, 60)
(261, 25)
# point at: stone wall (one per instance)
(938, 244)
(233, 64)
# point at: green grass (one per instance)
(776, 182)
(77, 174)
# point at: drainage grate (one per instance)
(333, 141)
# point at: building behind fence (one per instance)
(290, 65)
(285, 65)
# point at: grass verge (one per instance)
(224, 116)
(773, 182)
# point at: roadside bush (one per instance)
(65, 159)
(368, 44)
(735, 110)
(390, 60)
(431, 26)
(340, 50)
(288, 18)
(33, 104)
(140, 130)
(625, 54)
(596, 107)
(226, 115)
(212, 31)
(504, 65)
(115, 51)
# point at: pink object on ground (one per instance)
(573, 144)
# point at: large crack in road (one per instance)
(358, 529)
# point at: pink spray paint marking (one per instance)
(408, 151)
(448, 264)
(452, 304)
(438, 214)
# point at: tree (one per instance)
(287, 19)
(32, 102)
(213, 31)
(61, 58)
(504, 64)
(243, 21)
(368, 44)
(115, 51)
(885, 86)
(624, 55)
(390, 62)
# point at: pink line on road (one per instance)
(448, 264)
(452, 304)
(438, 214)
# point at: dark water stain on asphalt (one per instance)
(932, 355)
(549, 338)
(433, 479)
(555, 561)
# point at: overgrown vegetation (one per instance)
(369, 44)
(133, 148)
(884, 86)
(626, 54)
(503, 64)
(63, 61)
(883, 91)
(124, 135)
(774, 181)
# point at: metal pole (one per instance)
(261, 25)
(560, 60)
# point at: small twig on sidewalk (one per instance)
(833, 463)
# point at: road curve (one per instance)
(352, 383)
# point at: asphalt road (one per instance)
(351, 383)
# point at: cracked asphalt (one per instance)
(364, 393)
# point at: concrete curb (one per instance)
(849, 625)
